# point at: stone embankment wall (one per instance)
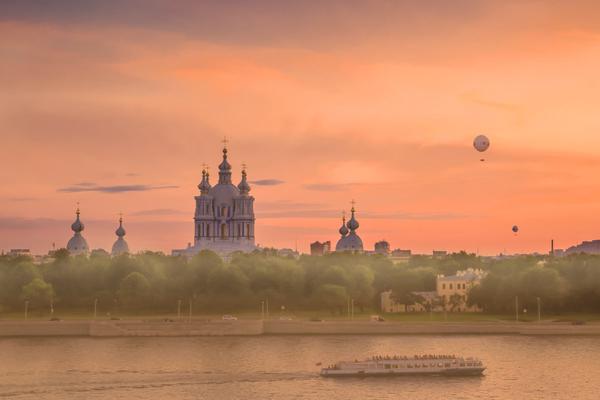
(105, 328)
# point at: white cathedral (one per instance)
(224, 217)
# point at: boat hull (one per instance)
(333, 373)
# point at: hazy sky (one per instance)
(118, 106)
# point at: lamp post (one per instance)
(352, 309)
(262, 310)
(190, 316)
(539, 309)
(267, 308)
(517, 308)
(95, 308)
(26, 308)
(179, 309)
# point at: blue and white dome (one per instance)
(350, 241)
(77, 244)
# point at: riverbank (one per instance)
(145, 328)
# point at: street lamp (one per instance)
(539, 309)
(26, 308)
(95, 308)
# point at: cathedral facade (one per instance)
(224, 217)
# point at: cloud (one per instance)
(113, 189)
(267, 182)
(158, 211)
(85, 184)
(414, 216)
(328, 187)
(20, 199)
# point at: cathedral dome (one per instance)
(77, 244)
(120, 247)
(352, 242)
(224, 193)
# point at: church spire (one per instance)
(225, 167)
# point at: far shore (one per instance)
(203, 326)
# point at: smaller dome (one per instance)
(77, 226)
(120, 232)
(204, 185)
(343, 230)
(244, 187)
(352, 222)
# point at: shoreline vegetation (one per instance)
(252, 286)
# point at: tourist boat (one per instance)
(447, 365)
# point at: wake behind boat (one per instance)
(448, 365)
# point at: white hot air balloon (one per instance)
(481, 144)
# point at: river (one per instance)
(284, 367)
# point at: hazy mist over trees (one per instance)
(153, 282)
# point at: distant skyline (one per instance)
(117, 106)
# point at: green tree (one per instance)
(38, 293)
(134, 291)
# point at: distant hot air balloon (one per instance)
(481, 144)
(515, 229)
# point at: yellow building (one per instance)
(453, 289)
(450, 295)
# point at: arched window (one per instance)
(207, 230)
(239, 230)
(248, 231)
(207, 208)
(223, 231)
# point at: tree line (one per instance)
(154, 282)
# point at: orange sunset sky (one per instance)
(325, 101)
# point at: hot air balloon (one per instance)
(481, 144)
(515, 229)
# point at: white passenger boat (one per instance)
(401, 366)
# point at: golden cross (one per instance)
(244, 166)
(353, 203)
(204, 166)
(225, 141)
(77, 207)
(344, 214)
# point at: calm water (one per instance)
(283, 367)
